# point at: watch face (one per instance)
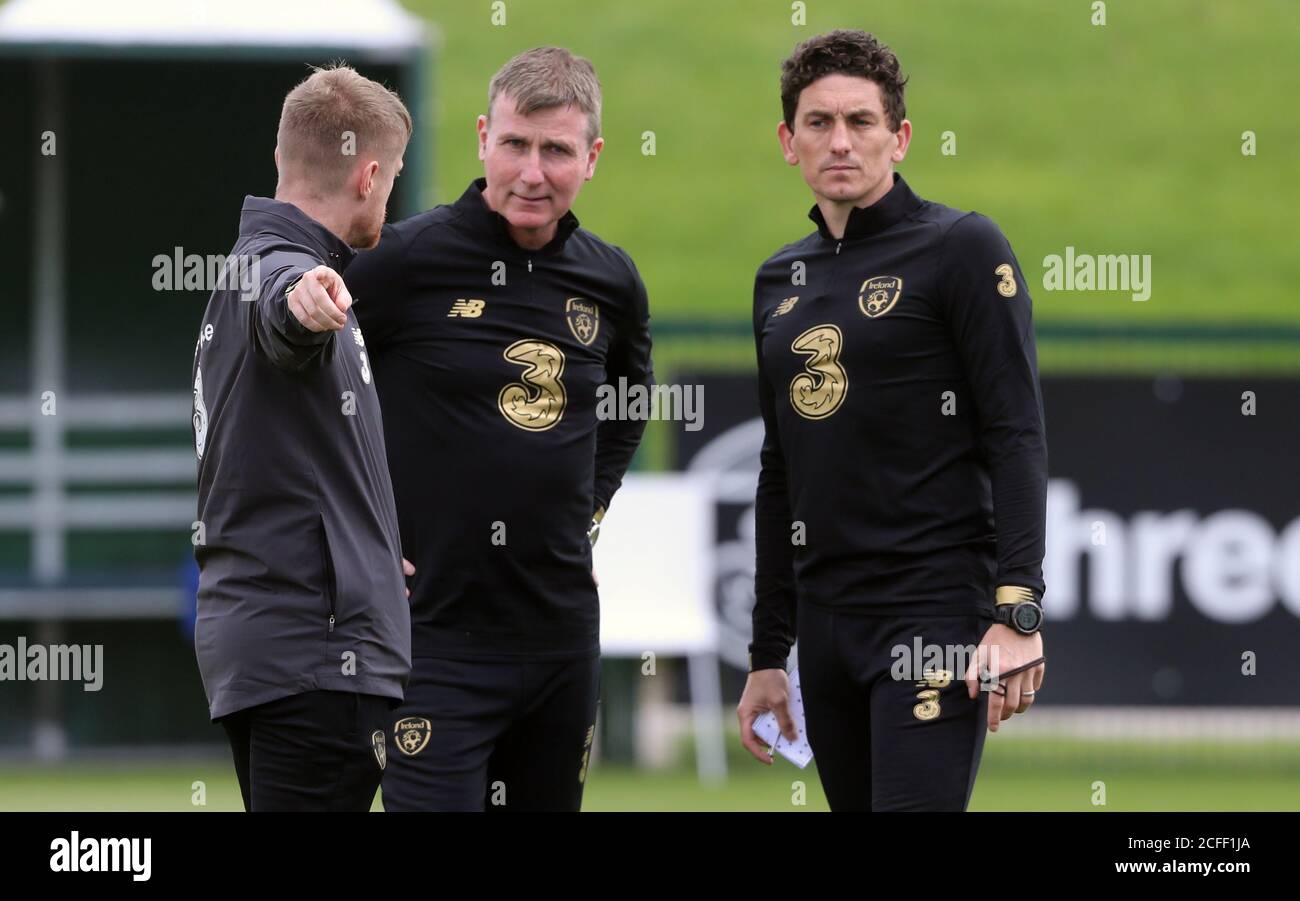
(1027, 617)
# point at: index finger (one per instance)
(785, 721)
(342, 296)
(321, 306)
(977, 673)
(972, 677)
(334, 286)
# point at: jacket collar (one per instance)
(864, 222)
(473, 207)
(262, 214)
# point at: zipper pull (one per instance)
(530, 265)
(838, 245)
(331, 622)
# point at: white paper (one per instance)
(798, 752)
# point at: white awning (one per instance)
(365, 25)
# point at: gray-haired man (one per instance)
(491, 323)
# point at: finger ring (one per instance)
(1027, 694)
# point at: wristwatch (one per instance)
(1018, 608)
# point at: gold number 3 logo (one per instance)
(1006, 287)
(928, 709)
(818, 391)
(537, 403)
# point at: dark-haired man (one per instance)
(901, 500)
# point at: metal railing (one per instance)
(52, 469)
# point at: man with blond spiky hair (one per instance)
(303, 631)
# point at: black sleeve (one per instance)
(376, 279)
(991, 322)
(774, 591)
(629, 357)
(276, 332)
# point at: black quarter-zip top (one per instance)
(904, 464)
(488, 358)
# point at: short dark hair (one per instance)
(849, 52)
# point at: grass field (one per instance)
(1017, 774)
(1122, 138)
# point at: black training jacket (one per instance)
(904, 463)
(300, 581)
(488, 358)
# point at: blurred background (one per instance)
(1155, 130)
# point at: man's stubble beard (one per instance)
(367, 237)
(368, 242)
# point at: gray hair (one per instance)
(548, 77)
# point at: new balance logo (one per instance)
(786, 305)
(466, 309)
